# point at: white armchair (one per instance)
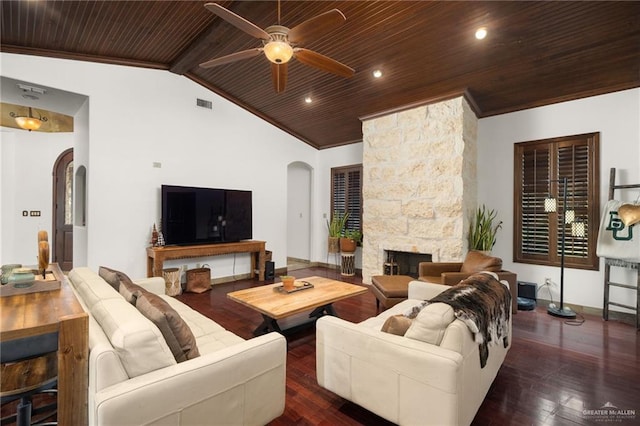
(404, 380)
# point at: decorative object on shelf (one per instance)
(22, 277)
(43, 252)
(551, 206)
(336, 228)
(482, 231)
(172, 281)
(288, 282)
(28, 122)
(7, 270)
(154, 236)
(43, 258)
(629, 214)
(25, 280)
(160, 242)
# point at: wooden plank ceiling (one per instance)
(536, 53)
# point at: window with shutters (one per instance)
(346, 194)
(539, 170)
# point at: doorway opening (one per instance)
(62, 238)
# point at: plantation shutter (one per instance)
(346, 194)
(539, 169)
(534, 227)
(573, 163)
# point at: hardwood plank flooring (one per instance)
(552, 374)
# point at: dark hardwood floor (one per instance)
(554, 374)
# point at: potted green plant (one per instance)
(336, 228)
(483, 230)
(350, 241)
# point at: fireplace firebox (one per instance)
(404, 262)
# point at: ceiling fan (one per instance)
(280, 44)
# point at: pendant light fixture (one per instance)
(28, 122)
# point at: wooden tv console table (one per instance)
(157, 255)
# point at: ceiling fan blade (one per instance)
(316, 26)
(279, 76)
(238, 56)
(237, 21)
(324, 63)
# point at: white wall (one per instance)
(81, 147)
(140, 116)
(617, 117)
(335, 157)
(27, 166)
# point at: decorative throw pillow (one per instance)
(111, 276)
(396, 324)
(477, 261)
(176, 332)
(130, 291)
(431, 322)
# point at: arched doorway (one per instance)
(62, 238)
(299, 196)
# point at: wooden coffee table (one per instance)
(275, 305)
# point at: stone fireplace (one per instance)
(419, 182)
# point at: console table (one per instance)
(157, 255)
(53, 318)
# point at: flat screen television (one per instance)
(193, 215)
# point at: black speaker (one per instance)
(269, 270)
(527, 290)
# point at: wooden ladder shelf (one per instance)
(620, 263)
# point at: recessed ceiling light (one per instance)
(308, 99)
(377, 73)
(481, 33)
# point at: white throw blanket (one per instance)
(615, 240)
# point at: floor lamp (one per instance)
(550, 206)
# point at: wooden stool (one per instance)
(390, 289)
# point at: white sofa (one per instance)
(134, 378)
(407, 381)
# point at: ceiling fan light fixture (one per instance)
(28, 122)
(278, 52)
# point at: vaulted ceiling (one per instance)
(536, 53)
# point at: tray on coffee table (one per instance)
(298, 286)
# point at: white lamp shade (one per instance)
(28, 123)
(578, 229)
(569, 216)
(550, 205)
(278, 52)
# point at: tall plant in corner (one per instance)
(483, 229)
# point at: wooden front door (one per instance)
(62, 242)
